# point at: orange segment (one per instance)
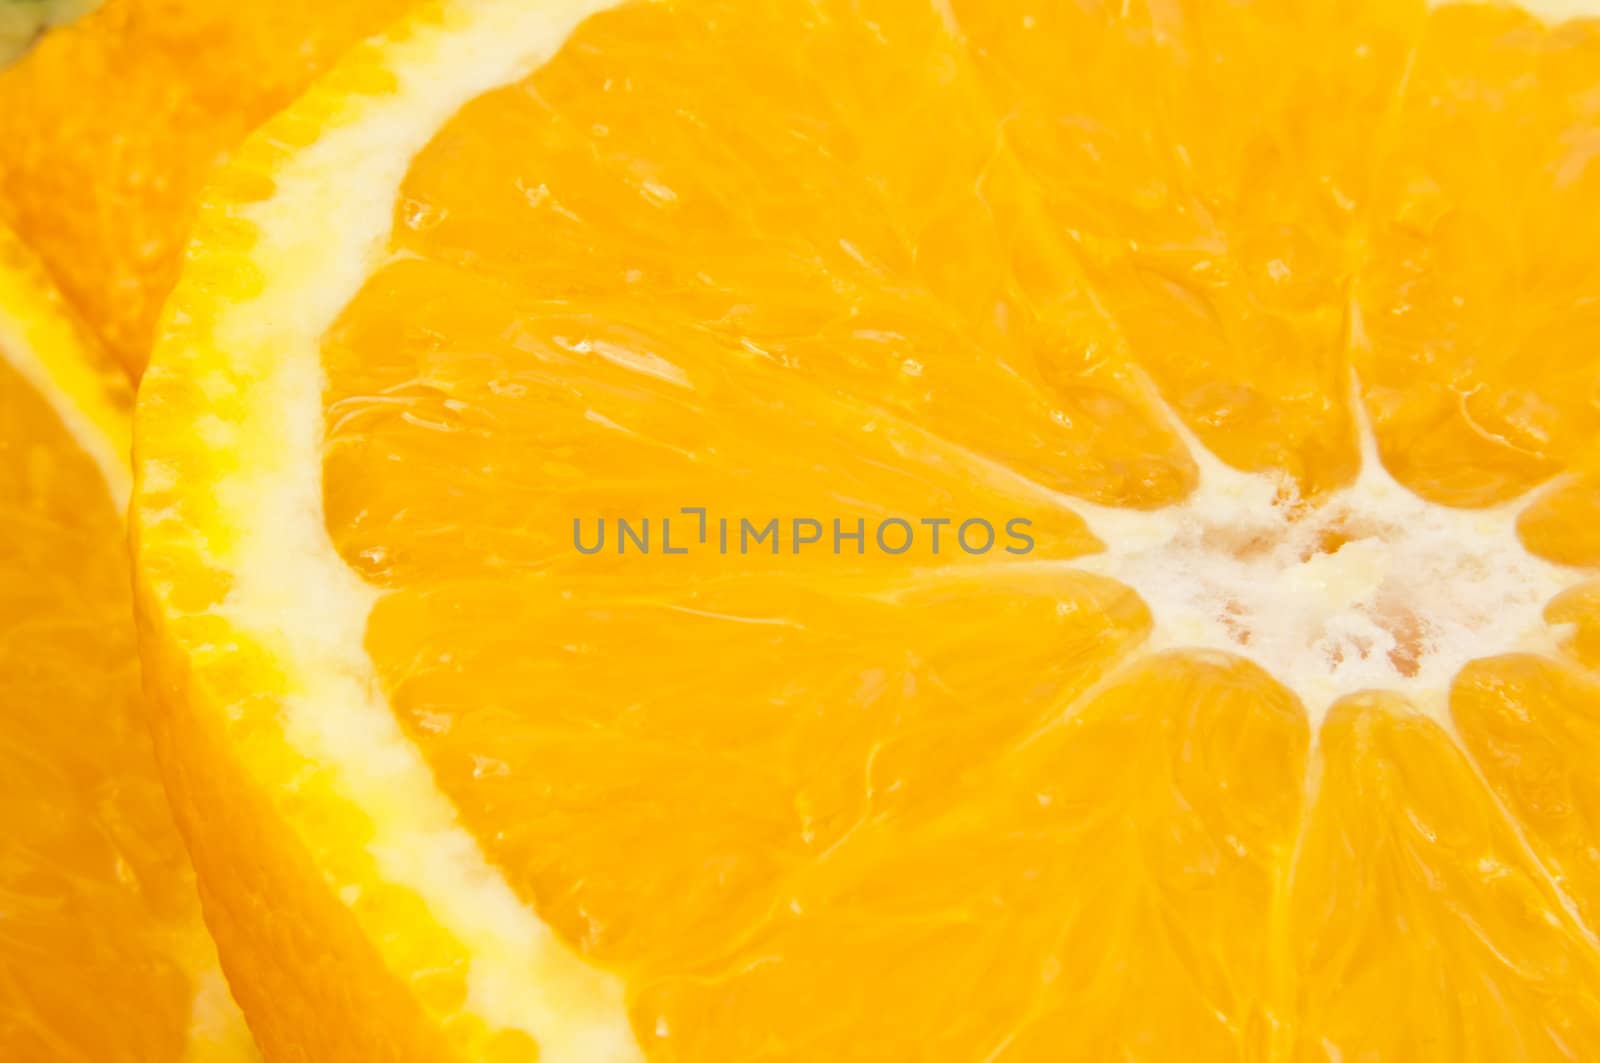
(775, 771)
(1534, 729)
(1421, 927)
(1217, 190)
(1564, 524)
(1477, 293)
(1578, 610)
(803, 233)
(1126, 852)
(110, 128)
(554, 421)
(102, 953)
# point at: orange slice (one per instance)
(102, 953)
(1207, 730)
(110, 126)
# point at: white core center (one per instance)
(1371, 588)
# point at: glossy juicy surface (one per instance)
(952, 260)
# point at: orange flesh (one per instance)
(110, 128)
(782, 259)
(99, 903)
(1478, 285)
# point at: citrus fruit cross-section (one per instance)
(1274, 326)
(103, 958)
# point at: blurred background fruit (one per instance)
(109, 126)
(103, 956)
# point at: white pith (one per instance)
(1419, 589)
(322, 234)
